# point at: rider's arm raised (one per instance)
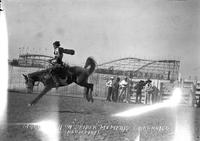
(69, 51)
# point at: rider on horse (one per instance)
(59, 70)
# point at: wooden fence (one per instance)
(17, 83)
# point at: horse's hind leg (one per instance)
(88, 86)
(45, 90)
(91, 90)
(86, 94)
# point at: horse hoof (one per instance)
(87, 99)
(29, 105)
(92, 100)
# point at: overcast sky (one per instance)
(108, 29)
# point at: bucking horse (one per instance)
(79, 75)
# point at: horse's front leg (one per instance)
(44, 91)
(88, 92)
(91, 90)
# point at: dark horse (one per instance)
(79, 75)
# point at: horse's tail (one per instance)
(92, 63)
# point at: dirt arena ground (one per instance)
(78, 120)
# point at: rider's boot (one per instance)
(56, 81)
(69, 75)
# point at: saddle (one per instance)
(62, 71)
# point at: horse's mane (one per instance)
(37, 74)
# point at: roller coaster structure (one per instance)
(31, 60)
(142, 68)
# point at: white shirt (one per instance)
(123, 83)
(109, 83)
(57, 53)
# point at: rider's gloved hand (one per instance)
(72, 52)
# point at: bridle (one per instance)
(30, 81)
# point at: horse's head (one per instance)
(29, 83)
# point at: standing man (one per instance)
(155, 96)
(115, 90)
(139, 86)
(58, 71)
(149, 90)
(109, 84)
(123, 93)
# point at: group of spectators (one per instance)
(121, 90)
(113, 89)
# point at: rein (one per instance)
(37, 84)
(33, 81)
